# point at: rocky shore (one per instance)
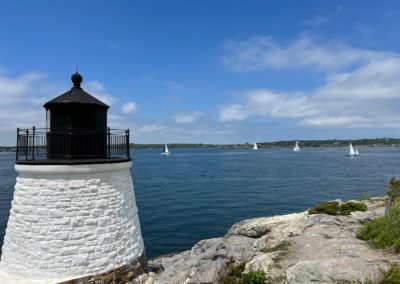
(294, 248)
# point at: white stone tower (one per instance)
(74, 212)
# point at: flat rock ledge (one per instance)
(294, 248)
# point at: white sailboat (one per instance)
(296, 147)
(165, 151)
(352, 152)
(255, 147)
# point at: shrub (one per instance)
(392, 276)
(237, 271)
(282, 246)
(348, 207)
(333, 208)
(383, 232)
(393, 187)
(253, 277)
(330, 208)
(234, 275)
(393, 190)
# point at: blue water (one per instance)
(199, 193)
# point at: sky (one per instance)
(208, 71)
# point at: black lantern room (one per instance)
(75, 119)
(76, 131)
(76, 109)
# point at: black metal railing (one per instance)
(71, 144)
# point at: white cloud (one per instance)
(367, 97)
(129, 108)
(150, 128)
(18, 88)
(233, 112)
(187, 117)
(97, 89)
(263, 102)
(20, 99)
(335, 121)
(264, 52)
(316, 21)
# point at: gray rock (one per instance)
(323, 249)
(249, 231)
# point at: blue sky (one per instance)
(208, 71)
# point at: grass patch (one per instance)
(236, 275)
(383, 232)
(348, 207)
(392, 276)
(253, 277)
(282, 246)
(365, 197)
(283, 250)
(333, 208)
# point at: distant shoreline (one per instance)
(376, 142)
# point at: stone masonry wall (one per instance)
(74, 220)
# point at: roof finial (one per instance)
(76, 78)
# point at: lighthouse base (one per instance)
(122, 274)
(70, 221)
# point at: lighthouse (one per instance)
(74, 214)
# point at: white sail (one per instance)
(356, 151)
(255, 146)
(296, 147)
(165, 151)
(351, 152)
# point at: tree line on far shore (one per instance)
(376, 142)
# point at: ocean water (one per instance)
(199, 193)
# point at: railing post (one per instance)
(33, 143)
(27, 144)
(127, 144)
(16, 155)
(108, 143)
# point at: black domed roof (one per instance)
(76, 95)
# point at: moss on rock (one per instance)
(333, 208)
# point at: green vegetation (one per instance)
(393, 190)
(235, 275)
(330, 208)
(333, 208)
(348, 207)
(365, 197)
(282, 246)
(383, 232)
(253, 277)
(283, 250)
(174, 145)
(392, 276)
(377, 142)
